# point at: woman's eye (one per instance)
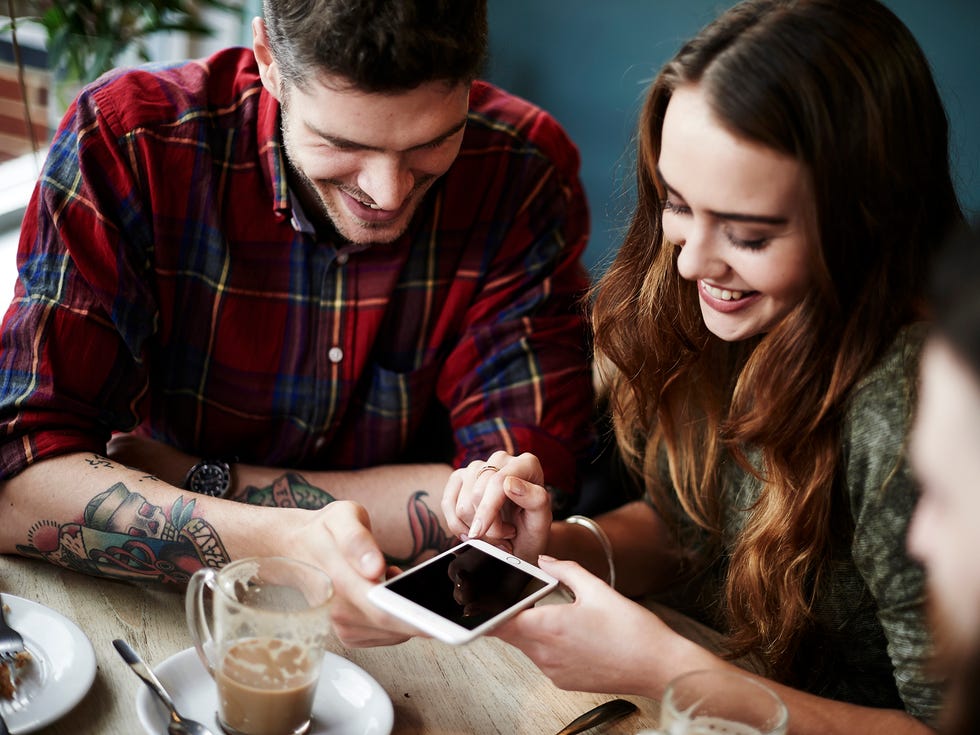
(674, 207)
(747, 243)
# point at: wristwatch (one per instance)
(209, 477)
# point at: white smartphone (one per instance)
(464, 592)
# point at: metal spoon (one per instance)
(178, 725)
(609, 711)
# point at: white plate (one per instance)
(348, 700)
(61, 672)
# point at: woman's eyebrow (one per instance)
(729, 216)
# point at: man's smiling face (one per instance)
(366, 160)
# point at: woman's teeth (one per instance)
(723, 293)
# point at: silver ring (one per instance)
(486, 467)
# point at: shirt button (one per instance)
(335, 354)
(342, 258)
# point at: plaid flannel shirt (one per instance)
(167, 285)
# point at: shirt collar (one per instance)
(272, 160)
(301, 222)
(285, 203)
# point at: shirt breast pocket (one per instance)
(389, 414)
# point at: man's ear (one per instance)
(268, 68)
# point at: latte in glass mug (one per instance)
(262, 642)
(720, 703)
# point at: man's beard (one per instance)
(310, 197)
(326, 213)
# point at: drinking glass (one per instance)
(720, 703)
(263, 641)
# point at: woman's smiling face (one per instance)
(741, 215)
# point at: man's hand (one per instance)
(338, 539)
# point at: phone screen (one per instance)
(467, 586)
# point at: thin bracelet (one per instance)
(603, 539)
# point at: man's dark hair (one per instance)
(956, 294)
(378, 45)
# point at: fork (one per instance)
(11, 642)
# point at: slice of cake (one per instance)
(10, 671)
(10, 674)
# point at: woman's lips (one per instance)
(726, 300)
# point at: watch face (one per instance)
(210, 478)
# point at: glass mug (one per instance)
(720, 703)
(264, 642)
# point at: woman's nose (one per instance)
(387, 181)
(699, 256)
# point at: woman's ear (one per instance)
(268, 68)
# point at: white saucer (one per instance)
(348, 700)
(61, 672)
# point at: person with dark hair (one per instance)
(331, 267)
(945, 454)
(761, 325)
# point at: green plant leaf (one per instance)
(85, 38)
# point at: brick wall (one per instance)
(14, 137)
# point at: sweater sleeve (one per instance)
(882, 494)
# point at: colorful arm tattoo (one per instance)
(123, 536)
(291, 490)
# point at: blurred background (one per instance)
(589, 63)
(586, 61)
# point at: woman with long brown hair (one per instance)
(759, 332)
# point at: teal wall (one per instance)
(589, 61)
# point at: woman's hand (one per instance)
(501, 500)
(602, 642)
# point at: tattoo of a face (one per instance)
(427, 533)
(291, 490)
(123, 536)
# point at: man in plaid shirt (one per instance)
(329, 268)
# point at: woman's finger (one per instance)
(450, 499)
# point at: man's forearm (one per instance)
(403, 501)
(88, 513)
(94, 515)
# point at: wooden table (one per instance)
(483, 687)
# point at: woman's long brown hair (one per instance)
(843, 87)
